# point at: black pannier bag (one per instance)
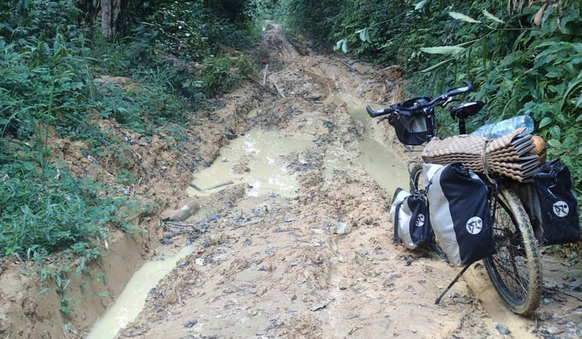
(411, 127)
(410, 219)
(459, 214)
(551, 204)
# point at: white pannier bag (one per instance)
(459, 213)
(411, 220)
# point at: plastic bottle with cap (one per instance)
(499, 129)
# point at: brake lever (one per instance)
(448, 101)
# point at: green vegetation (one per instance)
(56, 56)
(523, 57)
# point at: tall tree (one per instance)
(109, 14)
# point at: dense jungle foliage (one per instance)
(54, 56)
(524, 57)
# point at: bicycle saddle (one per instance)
(466, 109)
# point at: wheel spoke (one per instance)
(512, 267)
(509, 274)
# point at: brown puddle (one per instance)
(383, 165)
(256, 158)
(132, 299)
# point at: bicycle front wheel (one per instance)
(515, 268)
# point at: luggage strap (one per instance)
(484, 161)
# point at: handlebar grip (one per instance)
(460, 90)
(378, 113)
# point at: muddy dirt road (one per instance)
(299, 245)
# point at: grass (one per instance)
(51, 87)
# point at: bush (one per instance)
(46, 209)
(31, 20)
(221, 74)
(51, 86)
(192, 31)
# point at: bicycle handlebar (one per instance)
(378, 113)
(460, 90)
(441, 99)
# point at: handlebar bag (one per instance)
(410, 129)
(552, 206)
(459, 214)
(411, 221)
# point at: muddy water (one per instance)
(257, 159)
(387, 169)
(132, 299)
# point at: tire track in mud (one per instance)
(322, 264)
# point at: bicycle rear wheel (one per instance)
(415, 172)
(515, 268)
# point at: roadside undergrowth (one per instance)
(66, 90)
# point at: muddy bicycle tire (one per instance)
(515, 268)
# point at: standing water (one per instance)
(257, 158)
(132, 299)
(383, 165)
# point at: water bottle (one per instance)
(499, 129)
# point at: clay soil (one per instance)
(318, 265)
(288, 268)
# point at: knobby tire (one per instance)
(515, 268)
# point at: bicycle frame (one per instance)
(516, 237)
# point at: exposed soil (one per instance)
(322, 265)
(318, 264)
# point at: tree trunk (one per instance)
(106, 18)
(116, 9)
(109, 14)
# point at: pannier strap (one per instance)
(484, 161)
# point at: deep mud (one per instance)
(312, 257)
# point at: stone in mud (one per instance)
(200, 261)
(212, 217)
(502, 329)
(576, 285)
(191, 207)
(166, 241)
(190, 323)
(318, 305)
(342, 228)
(202, 227)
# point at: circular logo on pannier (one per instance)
(419, 220)
(474, 225)
(561, 209)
